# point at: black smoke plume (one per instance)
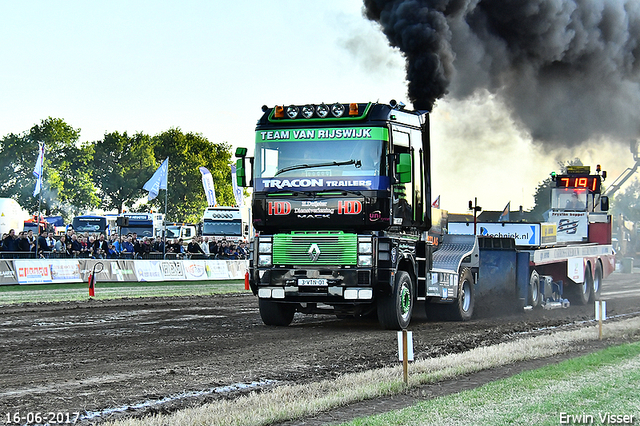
(568, 70)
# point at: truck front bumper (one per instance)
(315, 285)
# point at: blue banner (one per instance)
(354, 183)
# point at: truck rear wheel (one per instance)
(534, 289)
(581, 293)
(395, 309)
(596, 283)
(275, 313)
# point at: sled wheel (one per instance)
(534, 289)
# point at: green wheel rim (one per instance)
(405, 300)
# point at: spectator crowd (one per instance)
(98, 246)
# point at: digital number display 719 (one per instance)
(592, 183)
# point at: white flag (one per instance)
(237, 191)
(158, 181)
(207, 183)
(37, 171)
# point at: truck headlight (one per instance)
(265, 247)
(264, 260)
(365, 247)
(365, 251)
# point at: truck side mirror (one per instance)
(241, 170)
(241, 173)
(604, 203)
(403, 168)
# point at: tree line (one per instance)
(109, 173)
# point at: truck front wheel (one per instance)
(275, 313)
(394, 310)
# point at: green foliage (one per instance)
(110, 173)
(121, 166)
(67, 187)
(11, 294)
(627, 202)
(603, 382)
(187, 152)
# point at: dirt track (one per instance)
(92, 356)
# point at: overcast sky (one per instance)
(207, 67)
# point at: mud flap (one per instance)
(522, 278)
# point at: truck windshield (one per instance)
(220, 227)
(140, 230)
(173, 232)
(316, 158)
(89, 224)
(571, 199)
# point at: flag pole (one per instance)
(35, 254)
(157, 182)
(164, 222)
(40, 148)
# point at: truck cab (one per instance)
(577, 206)
(341, 201)
(224, 223)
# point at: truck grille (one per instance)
(315, 248)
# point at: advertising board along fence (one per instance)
(48, 271)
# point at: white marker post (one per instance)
(405, 352)
(601, 315)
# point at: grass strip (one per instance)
(600, 388)
(295, 401)
(45, 293)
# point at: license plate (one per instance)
(312, 282)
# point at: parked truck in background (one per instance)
(57, 222)
(92, 224)
(225, 223)
(342, 209)
(12, 216)
(186, 231)
(37, 226)
(149, 225)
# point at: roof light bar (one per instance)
(320, 111)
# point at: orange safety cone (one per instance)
(92, 285)
(246, 280)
